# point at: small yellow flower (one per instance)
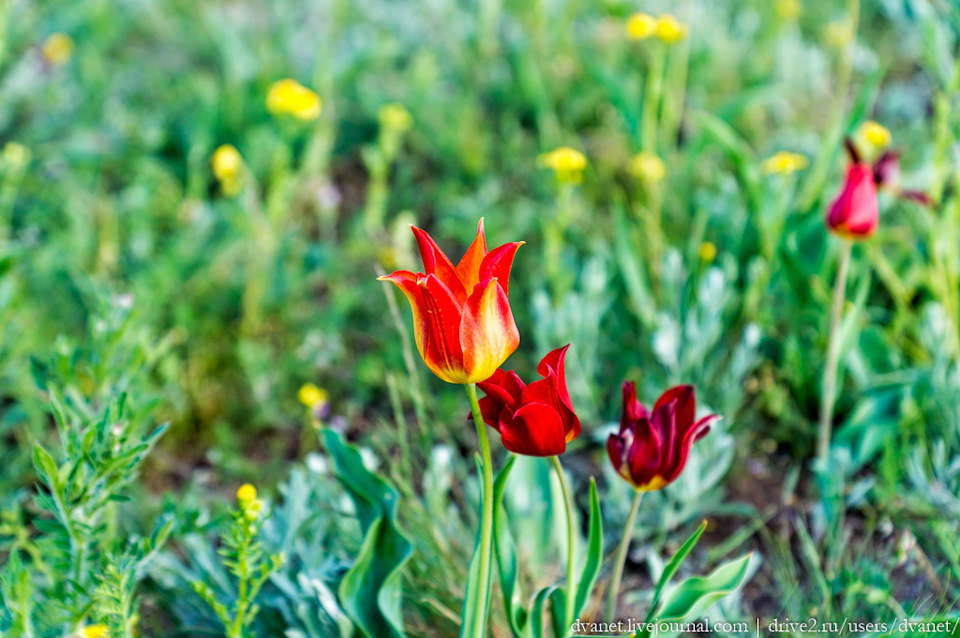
(784, 163)
(708, 252)
(310, 395)
(289, 97)
(253, 509)
(16, 155)
(641, 26)
(567, 163)
(670, 30)
(93, 631)
(395, 117)
(226, 162)
(788, 9)
(57, 49)
(839, 33)
(874, 135)
(647, 167)
(246, 494)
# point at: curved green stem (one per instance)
(486, 517)
(829, 395)
(622, 556)
(571, 542)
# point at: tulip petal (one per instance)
(498, 263)
(617, 451)
(552, 367)
(534, 430)
(855, 212)
(468, 268)
(694, 434)
(408, 282)
(633, 410)
(501, 396)
(488, 333)
(436, 262)
(441, 335)
(644, 455)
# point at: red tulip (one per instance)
(536, 419)
(855, 212)
(462, 319)
(651, 448)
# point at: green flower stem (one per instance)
(622, 556)
(486, 518)
(833, 353)
(571, 542)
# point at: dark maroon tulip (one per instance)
(651, 448)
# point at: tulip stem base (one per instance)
(571, 542)
(830, 373)
(621, 558)
(486, 518)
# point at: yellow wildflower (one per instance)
(310, 395)
(641, 26)
(874, 135)
(670, 30)
(94, 631)
(784, 163)
(788, 9)
(16, 155)
(57, 49)
(839, 33)
(246, 494)
(567, 163)
(289, 97)
(252, 509)
(395, 117)
(226, 162)
(647, 167)
(708, 252)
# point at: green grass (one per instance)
(126, 270)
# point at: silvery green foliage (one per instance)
(81, 561)
(306, 527)
(576, 319)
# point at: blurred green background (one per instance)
(127, 266)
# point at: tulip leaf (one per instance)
(591, 569)
(553, 595)
(674, 565)
(507, 556)
(371, 590)
(694, 595)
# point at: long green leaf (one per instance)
(674, 565)
(694, 595)
(588, 577)
(371, 592)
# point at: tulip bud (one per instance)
(855, 212)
